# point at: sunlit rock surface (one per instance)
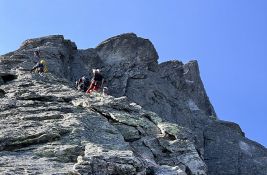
(157, 118)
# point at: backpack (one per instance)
(45, 66)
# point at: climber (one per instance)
(83, 83)
(36, 56)
(40, 67)
(96, 82)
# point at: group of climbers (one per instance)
(83, 84)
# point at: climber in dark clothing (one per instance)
(96, 82)
(39, 67)
(83, 83)
(36, 56)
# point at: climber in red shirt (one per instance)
(96, 82)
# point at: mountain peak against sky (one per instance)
(158, 119)
(228, 38)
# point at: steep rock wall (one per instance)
(173, 90)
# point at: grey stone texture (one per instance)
(157, 118)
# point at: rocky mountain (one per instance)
(157, 118)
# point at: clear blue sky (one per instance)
(227, 37)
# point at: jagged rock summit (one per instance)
(157, 119)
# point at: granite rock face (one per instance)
(158, 119)
(48, 127)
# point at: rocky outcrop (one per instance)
(158, 119)
(130, 50)
(48, 127)
(226, 146)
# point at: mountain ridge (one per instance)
(171, 90)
